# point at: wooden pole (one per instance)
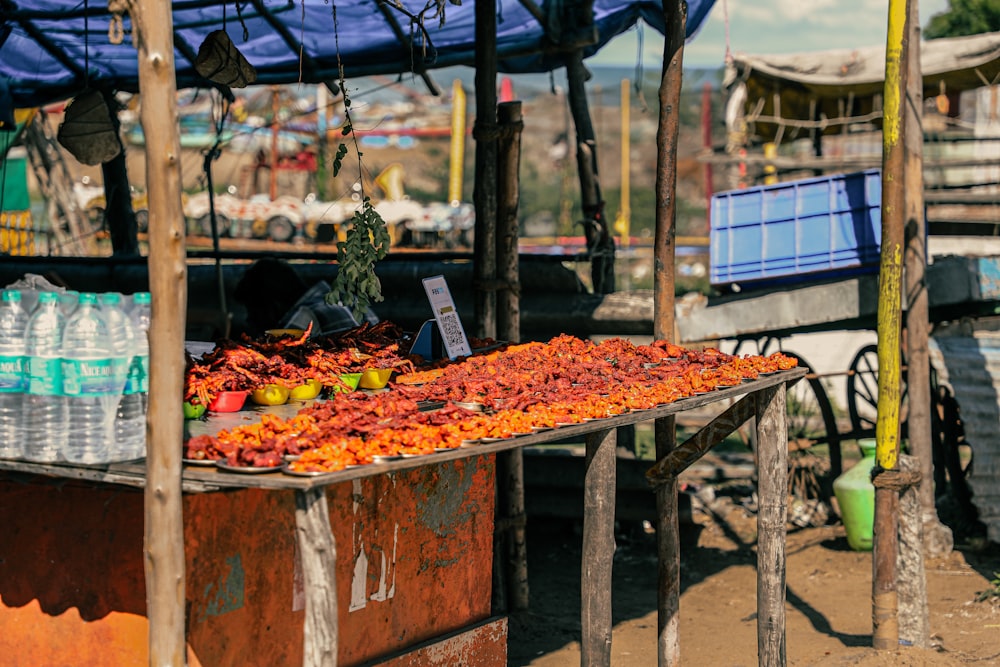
(937, 537)
(509, 328)
(484, 194)
(119, 214)
(600, 244)
(598, 548)
(164, 523)
(884, 602)
(508, 197)
(664, 430)
(772, 511)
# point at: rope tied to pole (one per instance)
(895, 479)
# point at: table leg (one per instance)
(318, 551)
(598, 548)
(772, 500)
(668, 552)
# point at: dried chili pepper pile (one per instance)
(498, 395)
(290, 361)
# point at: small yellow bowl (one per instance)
(270, 394)
(283, 333)
(375, 378)
(304, 392)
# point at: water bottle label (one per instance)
(138, 375)
(90, 377)
(11, 374)
(45, 376)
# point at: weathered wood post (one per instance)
(665, 437)
(598, 548)
(511, 463)
(164, 523)
(772, 511)
(485, 190)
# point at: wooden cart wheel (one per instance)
(810, 416)
(862, 392)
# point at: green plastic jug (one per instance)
(856, 497)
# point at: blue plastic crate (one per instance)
(799, 230)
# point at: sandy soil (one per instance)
(828, 607)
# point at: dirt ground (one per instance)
(828, 602)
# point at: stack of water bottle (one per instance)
(74, 376)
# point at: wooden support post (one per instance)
(318, 552)
(484, 193)
(164, 521)
(772, 493)
(884, 603)
(668, 127)
(508, 199)
(598, 548)
(668, 552)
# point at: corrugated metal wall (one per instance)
(970, 365)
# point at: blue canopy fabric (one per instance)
(50, 50)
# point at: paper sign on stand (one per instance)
(456, 343)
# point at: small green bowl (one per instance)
(351, 381)
(193, 410)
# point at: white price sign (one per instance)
(456, 344)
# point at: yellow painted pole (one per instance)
(884, 598)
(456, 165)
(623, 225)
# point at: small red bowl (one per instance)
(228, 401)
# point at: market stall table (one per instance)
(315, 544)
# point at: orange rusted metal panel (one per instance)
(416, 550)
(484, 645)
(414, 561)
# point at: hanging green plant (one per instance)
(366, 240)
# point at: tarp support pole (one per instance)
(664, 429)
(484, 193)
(600, 245)
(884, 601)
(164, 523)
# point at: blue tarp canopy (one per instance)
(50, 50)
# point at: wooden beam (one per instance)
(598, 548)
(318, 553)
(164, 522)
(680, 458)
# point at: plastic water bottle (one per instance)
(13, 380)
(68, 301)
(45, 428)
(89, 384)
(130, 423)
(138, 376)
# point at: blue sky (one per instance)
(770, 26)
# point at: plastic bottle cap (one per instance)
(11, 295)
(142, 297)
(111, 298)
(88, 298)
(48, 297)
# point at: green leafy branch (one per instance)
(366, 240)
